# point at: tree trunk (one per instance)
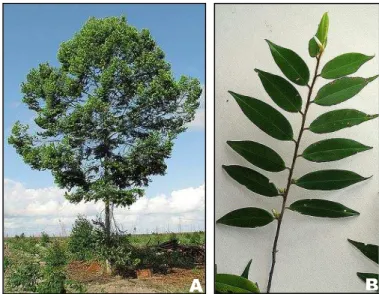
(107, 221)
(108, 268)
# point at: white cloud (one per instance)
(45, 209)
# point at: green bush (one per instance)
(45, 239)
(82, 239)
(23, 276)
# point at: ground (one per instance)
(92, 276)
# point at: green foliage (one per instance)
(82, 239)
(248, 217)
(322, 208)
(107, 115)
(259, 155)
(333, 149)
(276, 125)
(45, 239)
(252, 180)
(371, 251)
(23, 276)
(226, 283)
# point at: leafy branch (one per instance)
(275, 124)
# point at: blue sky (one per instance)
(32, 35)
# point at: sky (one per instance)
(32, 35)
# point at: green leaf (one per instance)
(265, 117)
(245, 273)
(252, 180)
(248, 217)
(364, 276)
(226, 283)
(341, 90)
(331, 179)
(259, 155)
(369, 250)
(282, 92)
(333, 149)
(344, 65)
(322, 35)
(339, 119)
(291, 64)
(322, 208)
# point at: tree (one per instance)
(107, 116)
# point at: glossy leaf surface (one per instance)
(339, 119)
(252, 180)
(369, 250)
(291, 64)
(331, 179)
(322, 208)
(344, 65)
(265, 117)
(226, 283)
(321, 34)
(282, 92)
(259, 155)
(333, 149)
(248, 217)
(341, 90)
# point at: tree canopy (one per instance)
(107, 116)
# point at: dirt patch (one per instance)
(176, 281)
(86, 272)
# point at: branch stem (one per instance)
(291, 169)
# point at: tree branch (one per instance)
(289, 181)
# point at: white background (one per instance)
(314, 255)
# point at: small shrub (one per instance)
(82, 239)
(23, 276)
(45, 239)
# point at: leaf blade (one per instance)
(290, 63)
(322, 208)
(245, 273)
(344, 65)
(265, 117)
(248, 217)
(332, 179)
(259, 155)
(341, 90)
(282, 92)
(371, 251)
(321, 34)
(226, 283)
(333, 149)
(252, 180)
(339, 119)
